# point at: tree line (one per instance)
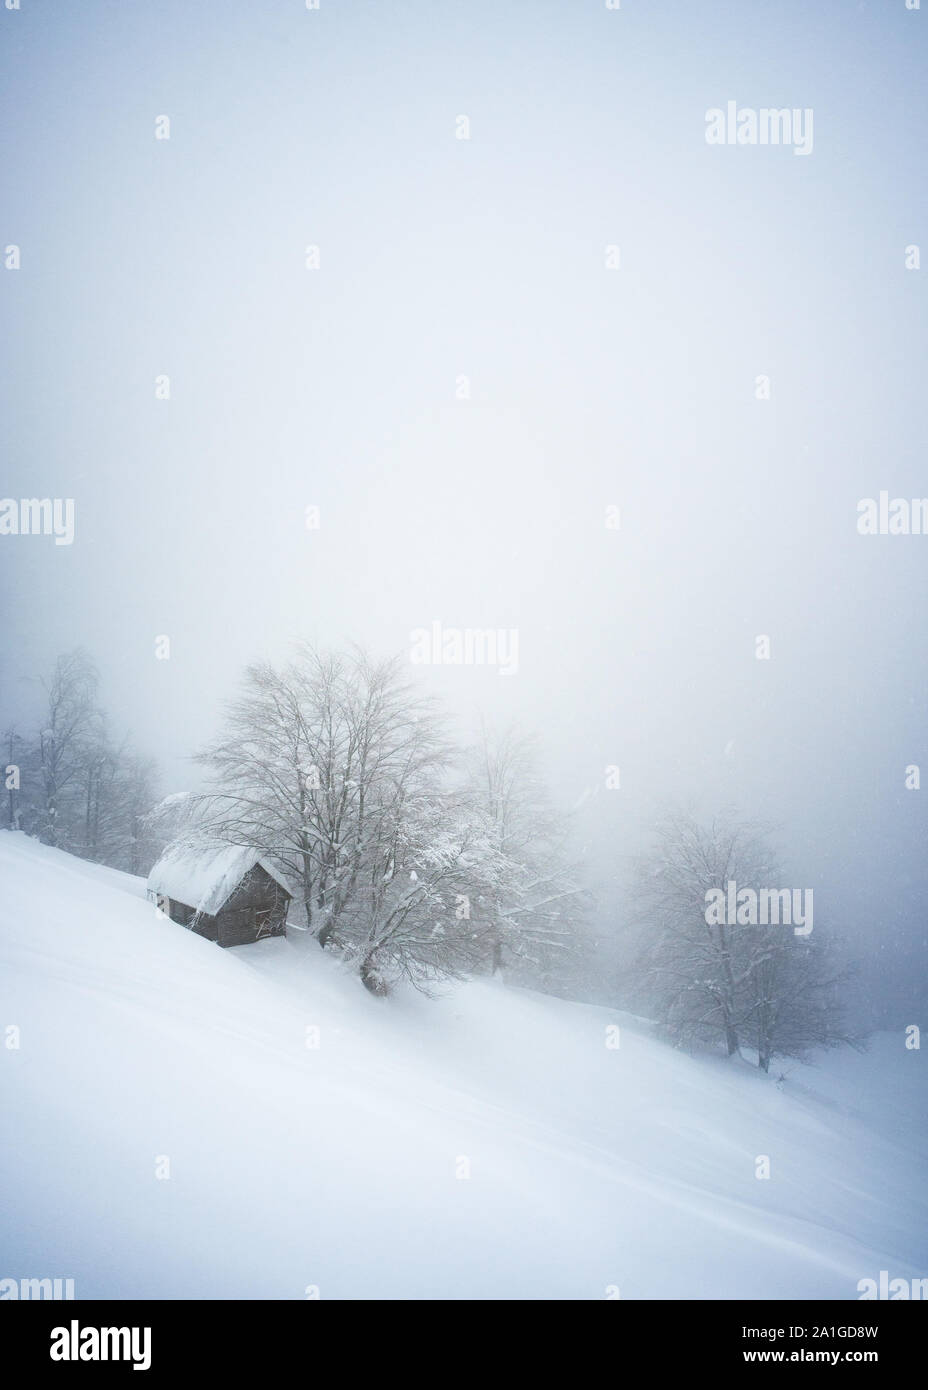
(74, 784)
(418, 857)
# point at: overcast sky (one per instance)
(486, 258)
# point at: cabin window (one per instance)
(262, 922)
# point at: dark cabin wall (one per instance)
(203, 924)
(237, 923)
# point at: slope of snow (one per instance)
(343, 1166)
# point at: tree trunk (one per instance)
(731, 1037)
(371, 977)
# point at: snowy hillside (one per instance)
(343, 1165)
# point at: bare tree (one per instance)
(139, 782)
(796, 996)
(707, 978)
(69, 734)
(80, 791)
(537, 925)
(341, 773)
(423, 907)
(693, 972)
(119, 789)
(321, 766)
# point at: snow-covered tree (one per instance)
(538, 928)
(325, 765)
(708, 979)
(120, 790)
(80, 790)
(795, 996)
(340, 771)
(423, 908)
(67, 748)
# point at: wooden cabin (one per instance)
(230, 895)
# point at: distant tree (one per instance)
(138, 787)
(67, 745)
(79, 789)
(746, 985)
(92, 835)
(120, 787)
(795, 996)
(692, 971)
(539, 918)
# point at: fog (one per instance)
(483, 503)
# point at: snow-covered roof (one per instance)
(205, 878)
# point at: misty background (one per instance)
(590, 387)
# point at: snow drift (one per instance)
(312, 1138)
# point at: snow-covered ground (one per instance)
(489, 1144)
